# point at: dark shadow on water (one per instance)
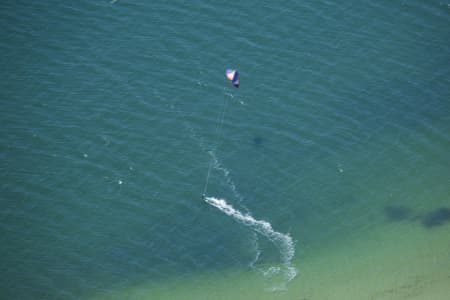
(257, 141)
(397, 213)
(436, 217)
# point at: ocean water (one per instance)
(326, 174)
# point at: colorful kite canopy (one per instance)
(233, 76)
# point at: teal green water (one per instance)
(112, 113)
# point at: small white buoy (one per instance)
(120, 181)
(85, 155)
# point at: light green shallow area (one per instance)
(392, 262)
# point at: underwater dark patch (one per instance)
(436, 217)
(257, 141)
(397, 212)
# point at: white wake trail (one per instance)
(283, 241)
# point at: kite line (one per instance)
(234, 77)
(219, 131)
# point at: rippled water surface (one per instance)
(330, 161)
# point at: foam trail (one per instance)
(256, 250)
(283, 241)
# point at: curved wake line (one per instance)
(283, 241)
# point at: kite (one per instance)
(233, 76)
